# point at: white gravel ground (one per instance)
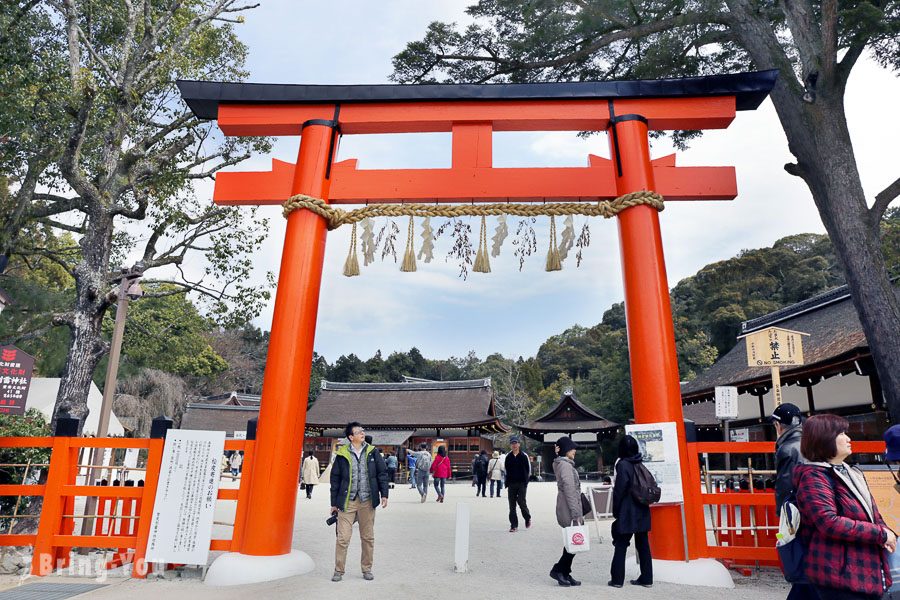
(414, 559)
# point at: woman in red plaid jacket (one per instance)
(847, 541)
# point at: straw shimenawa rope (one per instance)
(605, 208)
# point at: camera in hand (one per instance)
(331, 520)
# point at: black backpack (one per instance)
(644, 488)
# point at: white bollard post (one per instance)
(461, 550)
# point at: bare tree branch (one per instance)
(883, 199)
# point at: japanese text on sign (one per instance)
(16, 368)
(774, 347)
(186, 497)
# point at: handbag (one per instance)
(577, 539)
(585, 505)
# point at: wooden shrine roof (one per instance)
(204, 97)
(568, 416)
(836, 344)
(411, 405)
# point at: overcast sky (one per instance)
(509, 311)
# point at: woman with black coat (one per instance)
(632, 518)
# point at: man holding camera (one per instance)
(359, 483)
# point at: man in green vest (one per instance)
(359, 483)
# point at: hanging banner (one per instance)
(186, 497)
(659, 447)
(16, 368)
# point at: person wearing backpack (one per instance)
(423, 467)
(440, 468)
(632, 496)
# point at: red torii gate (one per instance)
(320, 114)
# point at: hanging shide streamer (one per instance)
(525, 242)
(482, 262)
(568, 237)
(553, 262)
(427, 250)
(368, 242)
(500, 234)
(409, 257)
(351, 266)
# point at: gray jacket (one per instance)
(787, 456)
(568, 497)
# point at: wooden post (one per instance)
(776, 386)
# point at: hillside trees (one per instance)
(99, 145)
(813, 44)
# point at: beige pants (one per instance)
(364, 514)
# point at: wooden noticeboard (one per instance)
(775, 347)
(887, 498)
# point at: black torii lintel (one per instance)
(203, 97)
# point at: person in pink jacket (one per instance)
(440, 470)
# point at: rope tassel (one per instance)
(482, 259)
(553, 261)
(409, 257)
(351, 266)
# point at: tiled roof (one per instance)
(835, 341)
(569, 415)
(213, 417)
(413, 405)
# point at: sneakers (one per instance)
(423, 497)
(337, 576)
(513, 529)
(527, 523)
(640, 583)
(615, 585)
(368, 576)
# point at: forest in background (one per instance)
(173, 353)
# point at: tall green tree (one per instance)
(101, 146)
(814, 44)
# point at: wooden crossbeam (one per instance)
(351, 185)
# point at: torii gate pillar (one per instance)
(648, 313)
(269, 526)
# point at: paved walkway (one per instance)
(414, 558)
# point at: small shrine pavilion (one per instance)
(572, 418)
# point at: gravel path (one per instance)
(414, 558)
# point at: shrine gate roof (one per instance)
(204, 97)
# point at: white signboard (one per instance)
(659, 447)
(130, 463)
(186, 497)
(740, 435)
(726, 402)
(240, 435)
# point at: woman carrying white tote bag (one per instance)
(569, 514)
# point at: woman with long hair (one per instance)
(847, 541)
(440, 470)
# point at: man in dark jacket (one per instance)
(359, 483)
(787, 450)
(518, 472)
(479, 473)
(632, 519)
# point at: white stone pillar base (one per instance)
(233, 568)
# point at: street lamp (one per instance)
(129, 289)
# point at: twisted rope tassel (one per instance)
(553, 262)
(482, 260)
(409, 257)
(351, 266)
